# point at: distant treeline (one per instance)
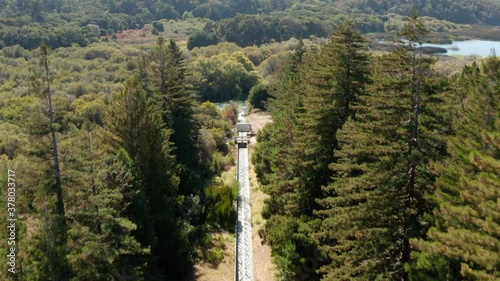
(62, 23)
(248, 30)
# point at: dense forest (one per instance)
(119, 186)
(380, 168)
(118, 165)
(63, 23)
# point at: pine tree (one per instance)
(184, 125)
(137, 126)
(466, 241)
(334, 80)
(309, 110)
(378, 198)
(360, 218)
(55, 224)
(167, 78)
(100, 189)
(273, 152)
(272, 160)
(44, 60)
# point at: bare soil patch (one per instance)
(259, 120)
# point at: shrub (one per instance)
(215, 256)
(201, 39)
(259, 94)
(98, 52)
(224, 76)
(230, 112)
(158, 25)
(221, 205)
(78, 90)
(16, 52)
(131, 65)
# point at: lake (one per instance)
(470, 47)
(465, 48)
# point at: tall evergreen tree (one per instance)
(306, 118)
(44, 61)
(136, 123)
(377, 200)
(359, 215)
(100, 189)
(274, 143)
(55, 226)
(334, 78)
(167, 78)
(272, 160)
(465, 243)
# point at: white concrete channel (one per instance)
(244, 249)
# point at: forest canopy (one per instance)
(62, 23)
(118, 120)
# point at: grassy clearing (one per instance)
(229, 176)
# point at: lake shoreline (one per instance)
(473, 40)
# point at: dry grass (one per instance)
(224, 271)
(259, 119)
(229, 176)
(263, 266)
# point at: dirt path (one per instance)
(259, 120)
(263, 266)
(244, 249)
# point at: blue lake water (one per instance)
(481, 48)
(470, 47)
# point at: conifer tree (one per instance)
(334, 78)
(378, 200)
(55, 225)
(465, 242)
(272, 158)
(100, 189)
(359, 214)
(168, 80)
(137, 127)
(272, 153)
(329, 80)
(44, 61)
(302, 138)
(184, 125)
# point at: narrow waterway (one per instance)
(244, 249)
(242, 109)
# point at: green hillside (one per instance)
(62, 23)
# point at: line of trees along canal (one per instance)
(379, 168)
